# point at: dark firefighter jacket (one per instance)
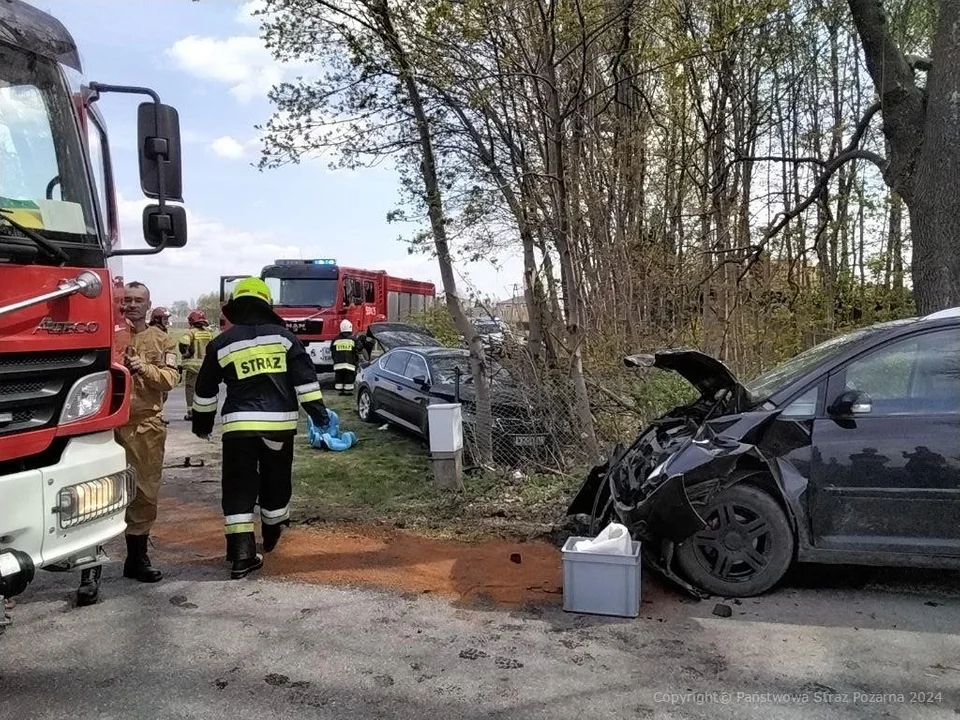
(268, 373)
(343, 349)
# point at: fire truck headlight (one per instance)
(77, 504)
(85, 398)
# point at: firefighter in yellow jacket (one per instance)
(268, 374)
(343, 350)
(152, 362)
(193, 348)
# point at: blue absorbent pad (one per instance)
(332, 438)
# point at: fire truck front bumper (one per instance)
(320, 353)
(61, 515)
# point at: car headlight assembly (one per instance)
(85, 398)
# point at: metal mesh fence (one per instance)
(534, 421)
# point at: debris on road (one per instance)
(721, 610)
(187, 463)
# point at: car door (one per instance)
(386, 393)
(885, 475)
(412, 392)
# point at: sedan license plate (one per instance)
(529, 440)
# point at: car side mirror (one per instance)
(166, 228)
(421, 381)
(852, 402)
(158, 135)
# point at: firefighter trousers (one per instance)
(144, 443)
(255, 468)
(343, 379)
(189, 385)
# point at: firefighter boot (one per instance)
(243, 550)
(271, 536)
(89, 590)
(137, 565)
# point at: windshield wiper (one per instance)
(50, 247)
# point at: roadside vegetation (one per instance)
(387, 478)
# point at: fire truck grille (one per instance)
(34, 386)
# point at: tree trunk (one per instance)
(434, 199)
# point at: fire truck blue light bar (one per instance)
(319, 261)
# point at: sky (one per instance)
(206, 59)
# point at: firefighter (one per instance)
(343, 349)
(193, 348)
(160, 318)
(268, 373)
(152, 361)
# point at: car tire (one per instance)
(366, 408)
(745, 549)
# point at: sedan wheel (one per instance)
(745, 548)
(365, 407)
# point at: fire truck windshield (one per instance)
(43, 182)
(303, 292)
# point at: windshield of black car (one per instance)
(303, 292)
(43, 178)
(770, 382)
(445, 371)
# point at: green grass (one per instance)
(387, 478)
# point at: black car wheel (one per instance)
(365, 407)
(745, 548)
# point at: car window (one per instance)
(804, 406)
(917, 375)
(395, 362)
(416, 367)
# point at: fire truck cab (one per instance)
(315, 296)
(64, 389)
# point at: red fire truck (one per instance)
(64, 481)
(314, 296)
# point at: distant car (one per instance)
(847, 453)
(415, 372)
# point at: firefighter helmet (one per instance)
(160, 314)
(252, 287)
(346, 326)
(197, 317)
(255, 289)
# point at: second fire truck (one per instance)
(315, 296)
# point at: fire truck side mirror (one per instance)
(165, 228)
(158, 132)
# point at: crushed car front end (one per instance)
(658, 486)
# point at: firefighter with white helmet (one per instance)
(268, 373)
(343, 349)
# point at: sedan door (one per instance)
(885, 475)
(413, 392)
(386, 392)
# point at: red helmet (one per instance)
(160, 314)
(197, 317)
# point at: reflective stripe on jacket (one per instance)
(343, 350)
(194, 346)
(268, 374)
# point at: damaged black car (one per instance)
(848, 453)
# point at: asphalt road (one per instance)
(831, 644)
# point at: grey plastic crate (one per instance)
(601, 584)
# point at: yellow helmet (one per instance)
(252, 287)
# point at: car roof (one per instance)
(431, 351)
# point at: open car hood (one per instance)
(392, 335)
(705, 373)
